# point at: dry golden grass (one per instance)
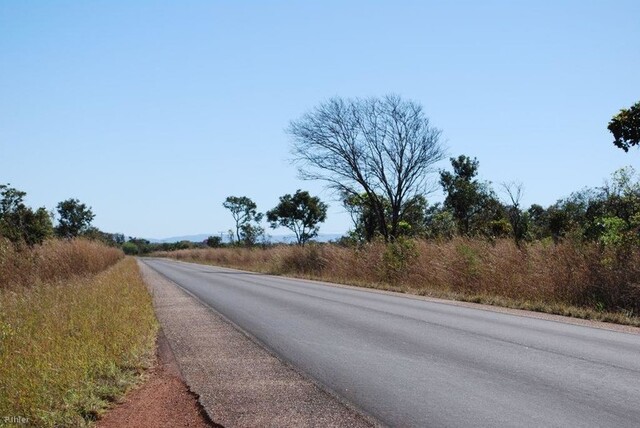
(54, 260)
(69, 346)
(581, 280)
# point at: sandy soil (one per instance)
(162, 401)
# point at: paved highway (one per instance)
(410, 362)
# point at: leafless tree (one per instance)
(382, 147)
(514, 192)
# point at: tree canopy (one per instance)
(472, 202)
(20, 223)
(246, 216)
(625, 127)
(382, 147)
(74, 218)
(301, 213)
(367, 225)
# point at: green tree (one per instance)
(20, 223)
(366, 222)
(246, 218)
(11, 200)
(472, 203)
(74, 218)
(606, 214)
(301, 213)
(615, 209)
(568, 217)
(440, 222)
(413, 215)
(361, 208)
(622, 194)
(251, 233)
(538, 221)
(213, 241)
(625, 127)
(382, 147)
(110, 239)
(143, 246)
(130, 249)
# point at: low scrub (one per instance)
(53, 261)
(588, 280)
(69, 347)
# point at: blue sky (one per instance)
(154, 112)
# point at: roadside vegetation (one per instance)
(71, 339)
(76, 322)
(584, 281)
(53, 261)
(579, 256)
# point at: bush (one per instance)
(130, 249)
(397, 258)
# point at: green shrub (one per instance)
(398, 256)
(130, 249)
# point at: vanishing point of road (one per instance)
(412, 362)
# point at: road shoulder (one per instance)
(238, 382)
(162, 401)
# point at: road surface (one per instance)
(411, 362)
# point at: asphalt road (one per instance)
(410, 362)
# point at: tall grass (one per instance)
(71, 340)
(580, 279)
(54, 260)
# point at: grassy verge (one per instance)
(53, 261)
(585, 281)
(68, 347)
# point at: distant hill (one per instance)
(171, 240)
(287, 239)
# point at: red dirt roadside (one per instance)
(162, 401)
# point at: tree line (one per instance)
(472, 208)
(378, 154)
(24, 225)
(301, 213)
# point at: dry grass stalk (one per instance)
(71, 340)
(585, 280)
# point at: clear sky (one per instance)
(153, 112)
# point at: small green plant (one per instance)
(398, 257)
(471, 262)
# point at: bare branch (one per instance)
(383, 147)
(514, 191)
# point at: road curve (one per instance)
(410, 362)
